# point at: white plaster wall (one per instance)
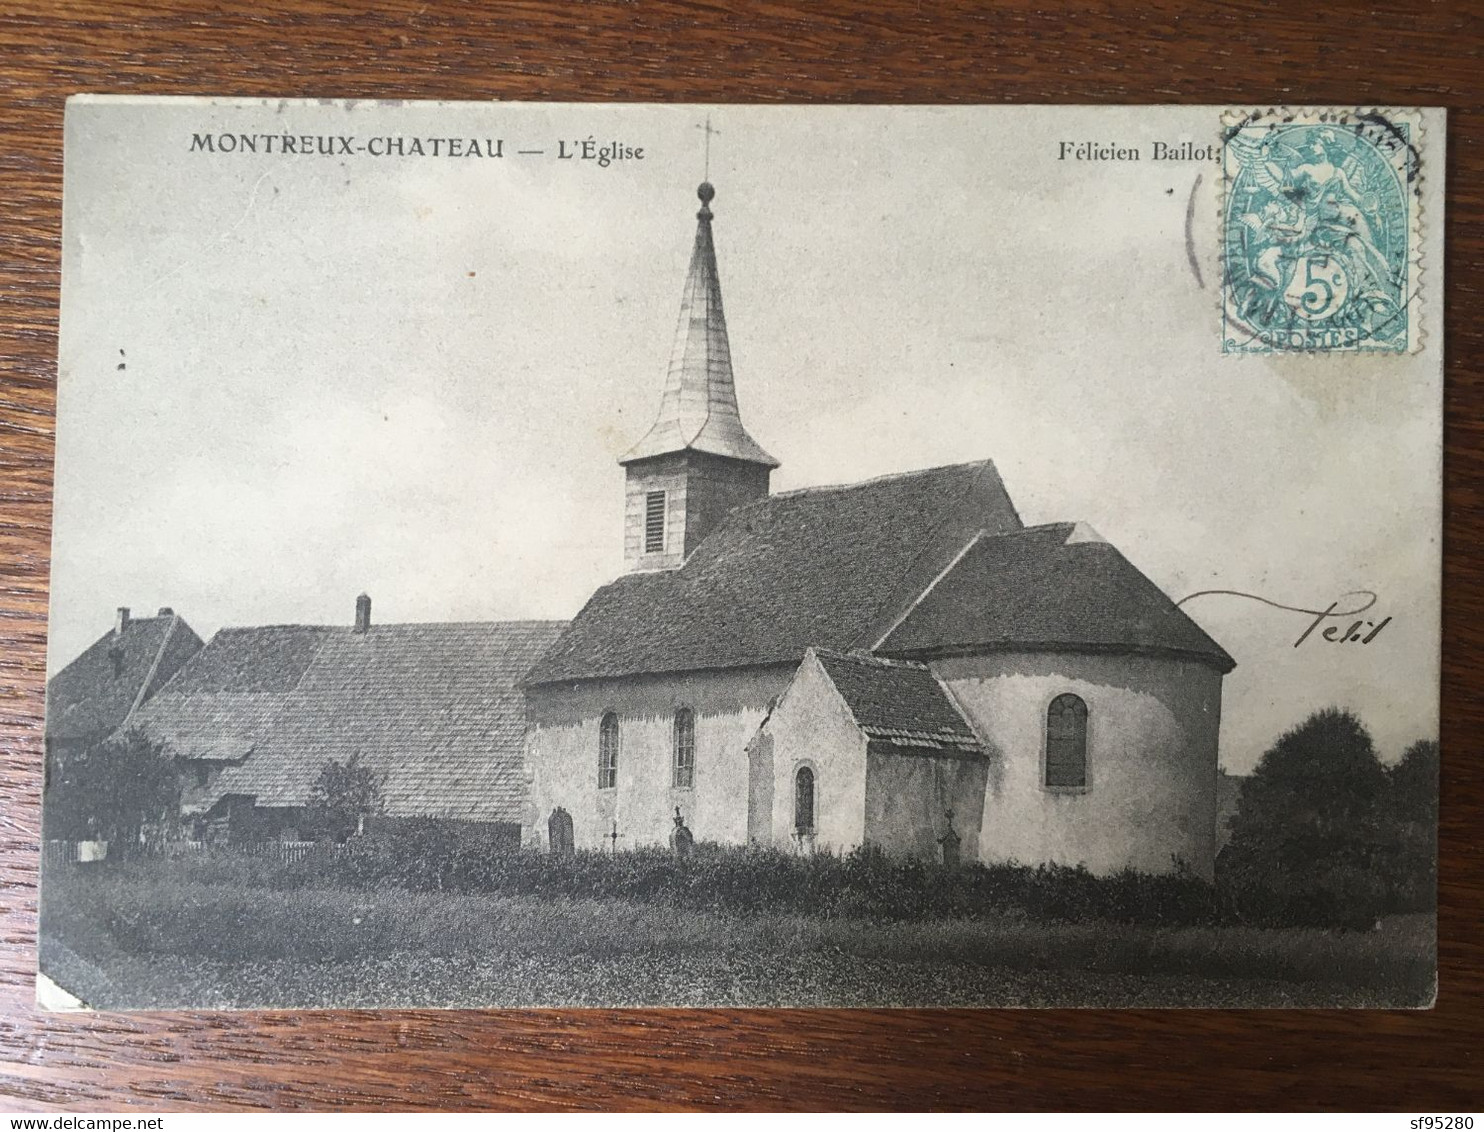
(909, 792)
(562, 755)
(812, 726)
(1153, 724)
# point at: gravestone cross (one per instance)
(949, 843)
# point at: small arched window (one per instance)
(608, 752)
(1066, 743)
(804, 801)
(685, 749)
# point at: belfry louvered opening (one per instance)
(654, 522)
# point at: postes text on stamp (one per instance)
(1320, 231)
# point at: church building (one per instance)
(898, 663)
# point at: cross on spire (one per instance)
(709, 131)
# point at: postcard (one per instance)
(542, 554)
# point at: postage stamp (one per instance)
(1320, 231)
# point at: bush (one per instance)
(866, 884)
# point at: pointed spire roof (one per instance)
(698, 410)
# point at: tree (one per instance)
(344, 795)
(1312, 836)
(123, 791)
(1413, 802)
(1414, 782)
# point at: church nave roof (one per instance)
(826, 566)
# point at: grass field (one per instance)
(134, 940)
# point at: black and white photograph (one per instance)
(514, 554)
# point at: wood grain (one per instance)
(897, 51)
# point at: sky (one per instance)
(285, 379)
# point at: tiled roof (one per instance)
(1054, 586)
(830, 566)
(698, 409)
(435, 709)
(262, 659)
(221, 704)
(898, 702)
(92, 697)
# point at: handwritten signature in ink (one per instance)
(1360, 631)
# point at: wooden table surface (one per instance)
(1151, 51)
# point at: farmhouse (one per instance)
(898, 663)
(98, 692)
(434, 710)
(101, 691)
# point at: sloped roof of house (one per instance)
(827, 566)
(94, 695)
(221, 705)
(435, 709)
(898, 702)
(1053, 586)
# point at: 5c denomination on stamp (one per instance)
(1320, 231)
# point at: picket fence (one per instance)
(83, 852)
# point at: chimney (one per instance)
(122, 622)
(363, 613)
(165, 611)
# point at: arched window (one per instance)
(1066, 743)
(804, 801)
(608, 752)
(685, 749)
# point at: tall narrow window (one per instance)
(804, 801)
(1066, 743)
(685, 749)
(654, 522)
(608, 752)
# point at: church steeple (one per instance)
(697, 461)
(698, 410)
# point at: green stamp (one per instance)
(1319, 232)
